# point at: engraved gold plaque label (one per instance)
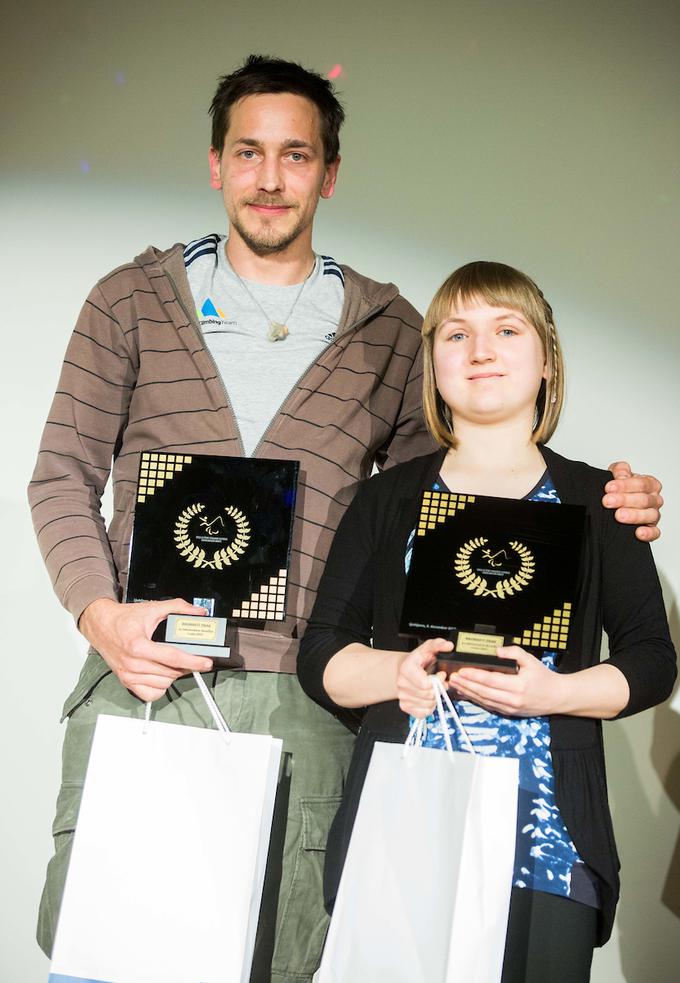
(494, 570)
(192, 629)
(477, 644)
(197, 534)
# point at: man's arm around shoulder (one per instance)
(637, 499)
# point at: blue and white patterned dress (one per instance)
(545, 857)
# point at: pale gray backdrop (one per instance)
(543, 134)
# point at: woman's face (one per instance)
(489, 364)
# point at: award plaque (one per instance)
(487, 572)
(217, 532)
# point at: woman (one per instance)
(493, 391)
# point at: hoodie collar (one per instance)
(364, 298)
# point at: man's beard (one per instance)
(267, 241)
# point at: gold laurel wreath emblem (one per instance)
(479, 585)
(222, 557)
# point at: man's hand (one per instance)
(121, 633)
(636, 498)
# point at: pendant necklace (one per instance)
(277, 330)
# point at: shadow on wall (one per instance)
(646, 821)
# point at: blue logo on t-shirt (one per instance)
(209, 310)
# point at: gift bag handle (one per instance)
(215, 713)
(417, 732)
(441, 696)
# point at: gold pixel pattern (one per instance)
(437, 507)
(156, 469)
(265, 604)
(550, 633)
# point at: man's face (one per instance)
(271, 170)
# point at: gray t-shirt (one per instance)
(258, 374)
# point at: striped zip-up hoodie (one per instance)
(137, 376)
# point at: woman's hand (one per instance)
(535, 691)
(414, 684)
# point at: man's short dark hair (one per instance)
(260, 74)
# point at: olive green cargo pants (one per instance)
(316, 752)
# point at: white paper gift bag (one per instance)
(425, 890)
(167, 868)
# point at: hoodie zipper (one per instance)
(206, 349)
(352, 327)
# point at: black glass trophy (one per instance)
(215, 531)
(487, 572)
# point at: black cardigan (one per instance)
(360, 598)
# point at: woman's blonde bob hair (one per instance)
(499, 286)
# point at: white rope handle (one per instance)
(215, 713)
(416, 734)
(441, 695)
(438, 690)
(147, 717)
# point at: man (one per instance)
(253, 345)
